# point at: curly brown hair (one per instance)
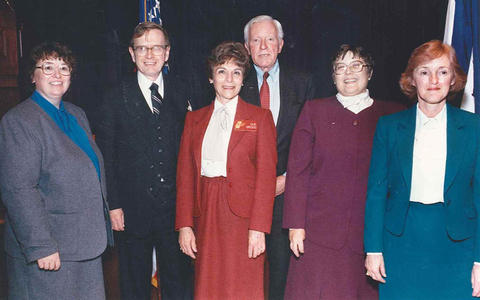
(425, 53)
(50, 50)
(229, 51)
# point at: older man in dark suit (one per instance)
(283, 91)
(139, 133)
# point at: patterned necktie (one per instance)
(265, 93)
(157, 100)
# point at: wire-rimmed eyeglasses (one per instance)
(354, 67)
(156, 49)
(49, 69)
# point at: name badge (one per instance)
(246, 125)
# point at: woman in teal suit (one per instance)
(421, 220)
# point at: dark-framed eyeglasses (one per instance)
(354, 67)
(49, 69)
(156, 49)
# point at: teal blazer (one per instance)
(390, 177)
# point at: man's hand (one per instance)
(186, 239)
(256, 243)
(375, 267)
(280, 187)
(50, 263)
(116, 217)
(296, 236)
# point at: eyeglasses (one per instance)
(49, 69)
(156, 50)
(354, 67)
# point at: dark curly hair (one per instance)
(229, 51)
(49, 50)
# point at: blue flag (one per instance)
(149, 10)
(465, 41)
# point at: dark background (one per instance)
(99, 31)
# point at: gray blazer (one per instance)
(50, 188)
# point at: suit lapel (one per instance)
(456, 145)
(135, 103)
(200, 127)
(241, 114)
(406, 137)
(138, 111)
(250, 91)
(286, 96)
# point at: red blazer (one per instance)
(251, 162)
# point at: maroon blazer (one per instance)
(251, 162)
(328, 171)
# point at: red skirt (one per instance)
(222, 268)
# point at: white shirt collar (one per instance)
(145, 83)
(355, 103)
(231, 106)
(422, 119)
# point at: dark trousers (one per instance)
(174, 269)
(278, 253)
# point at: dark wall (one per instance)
(99, 32)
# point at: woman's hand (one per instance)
(186, 239)
(476, 280)
(375, 267)
(296, 236)
(256, 243)
(50, 263)
(116, 217)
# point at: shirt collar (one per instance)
(273, 73)
(346, 101)
(231, 105)
(145, 83)
(423, 119)
(45, 104)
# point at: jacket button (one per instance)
(150, 189)
(355, 123)
(152, 166)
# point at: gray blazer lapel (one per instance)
(456, 140)
(406, 137)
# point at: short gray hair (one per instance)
(246, 29)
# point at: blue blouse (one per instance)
(69, 125)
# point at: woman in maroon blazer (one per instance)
(327, 182)
(226, 184)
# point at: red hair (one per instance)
(425, 53)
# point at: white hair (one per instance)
(246, 29)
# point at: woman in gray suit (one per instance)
(52, 184)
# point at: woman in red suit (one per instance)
(226, 184)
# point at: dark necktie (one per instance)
(265, 93)
(157, 100)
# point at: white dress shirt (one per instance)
(356, 103)
(216, 139)
(145, 84)
(273, 81)
(429, 158)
